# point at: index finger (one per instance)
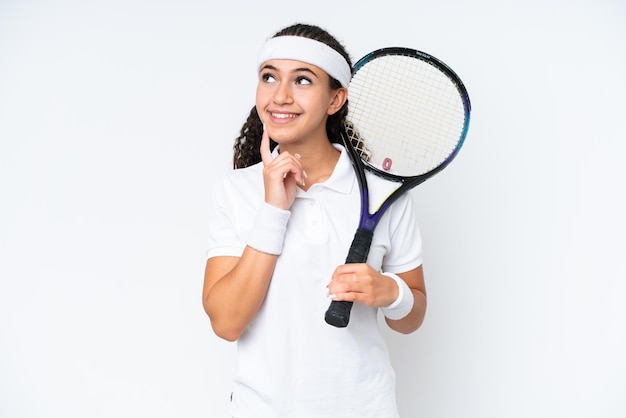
(266, 154)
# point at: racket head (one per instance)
(408, 114)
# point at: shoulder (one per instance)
(247, 174)
(239, 186)
(243, 178)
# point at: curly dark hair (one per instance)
(246, 148)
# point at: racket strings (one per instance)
(357, 142)
(407, 114)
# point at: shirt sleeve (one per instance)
(223, 238)
(405, 252)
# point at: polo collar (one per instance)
(342, 179)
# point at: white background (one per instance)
(116, 116)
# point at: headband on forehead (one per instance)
(307, 50)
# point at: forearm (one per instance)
(414, 288)
(235, 290)
(415, 318)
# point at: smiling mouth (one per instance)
(284, 115)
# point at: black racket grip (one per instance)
(338, 313)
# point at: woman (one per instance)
(280, 228)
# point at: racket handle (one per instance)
(338, 313)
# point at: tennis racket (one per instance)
(408, 118)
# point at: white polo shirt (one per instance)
(290, 362)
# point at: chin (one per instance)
(281, 135)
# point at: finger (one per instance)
(348, 272)
(297, 172)
(343, 284)
(266, 154)
(345, 296)
(289, 167)
(301, 173)
(348, 268)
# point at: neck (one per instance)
(318, 160)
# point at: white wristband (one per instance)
(268, 233)
(403, 304)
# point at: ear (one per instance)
(339, 98)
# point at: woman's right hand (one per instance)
(281, 175)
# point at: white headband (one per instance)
(310, 51)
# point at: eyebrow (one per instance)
(295, 70)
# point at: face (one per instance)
(294, 99)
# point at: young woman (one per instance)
(280, 228)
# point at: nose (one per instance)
(283, 94)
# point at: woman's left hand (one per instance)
(361, 283)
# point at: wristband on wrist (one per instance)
(268, 232)
(403, 304)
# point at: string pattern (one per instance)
(407, 115)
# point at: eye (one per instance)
(268, 78)
(303, 80)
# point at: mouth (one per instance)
(283, 116)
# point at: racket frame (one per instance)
(338, 313)
(370, 220)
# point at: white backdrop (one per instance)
(116, 116)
